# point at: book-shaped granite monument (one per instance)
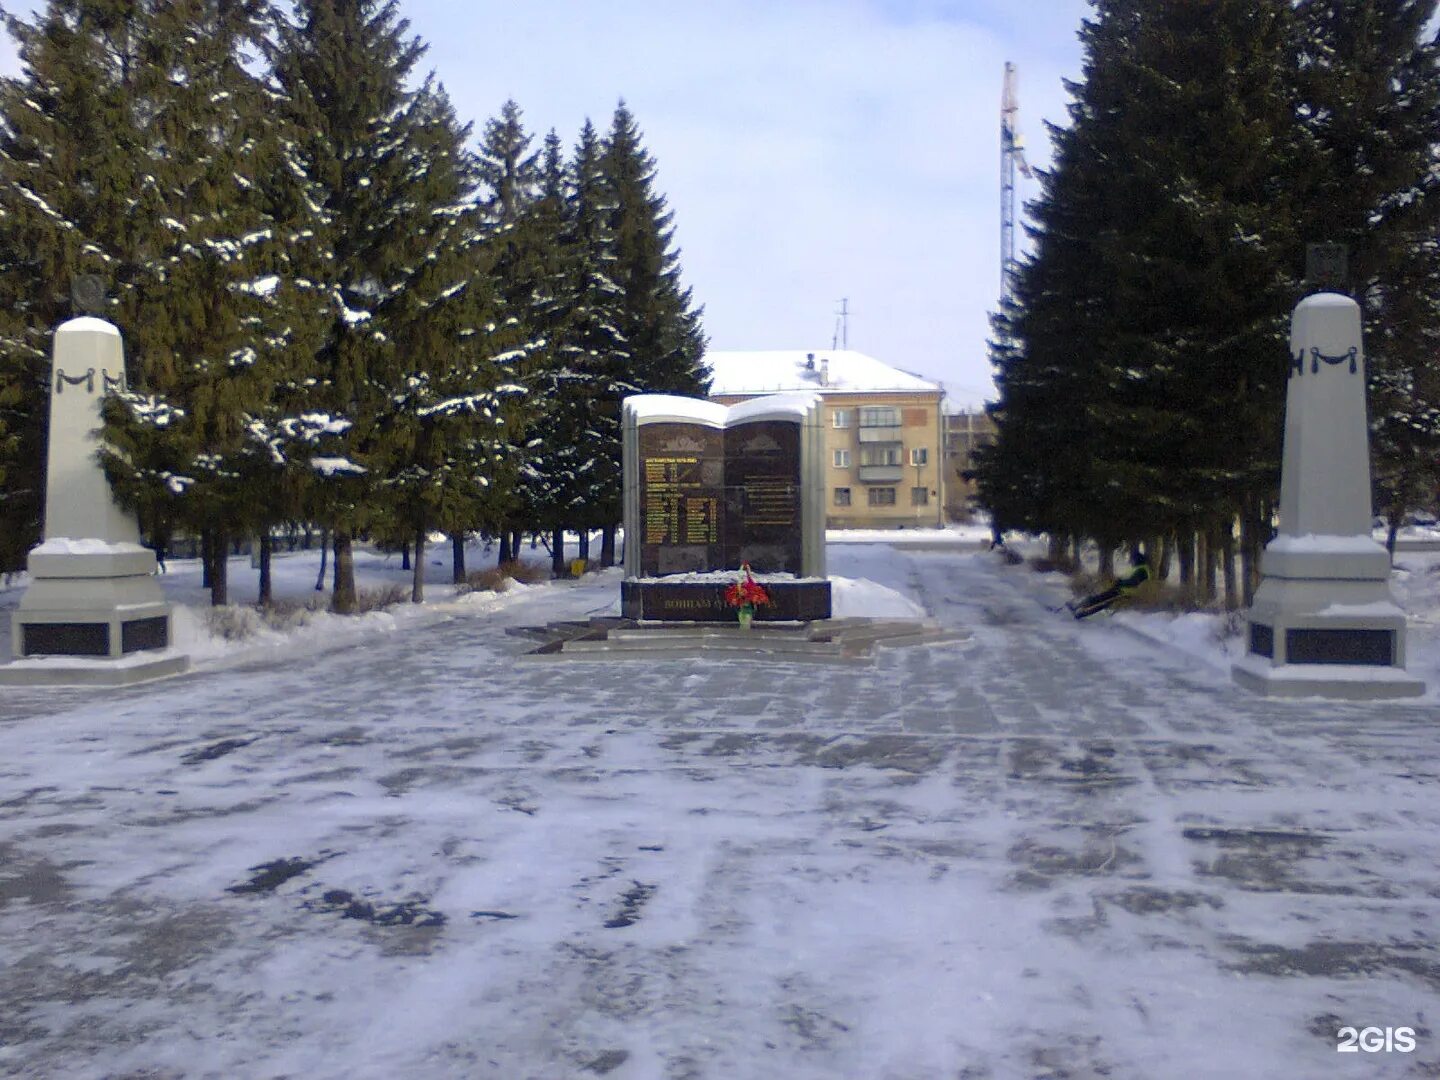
(708, 488)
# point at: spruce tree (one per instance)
(659, 322)
(518, 251)
(420, 355)
(1152, 313)
(652, 324)
(558, 385)
(459, 403)
(595, 346)
(1205, 263)
(1368, 100)
(139, 146)
(217, 316)
(69, 152)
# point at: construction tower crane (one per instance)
(1012, 157)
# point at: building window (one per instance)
(840, 418)
(920, 455)
(919, 496)
(882, 496)
(842, 459)
(879, 416)
(842, 496)
(880, 454)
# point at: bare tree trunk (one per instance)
(1055, 548)
(207, 557)
(557, 553)
(324, 553)
(343, 600)
(585, 542)
(1161, 554)
(515, 544)
(405, 556)
(266, 550)
(1250, 546)
(1185, 550)
(1392, 531)
(1107, 560)
(607, 546)
(1232, 585)
(1205, 564)
(505, 553)
(219, 567)
(417, 575)
(457, 558)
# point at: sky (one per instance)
(812, 151)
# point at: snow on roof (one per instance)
(768, 372)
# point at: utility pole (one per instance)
(841, 339)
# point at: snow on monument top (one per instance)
(651, 408)
(1325, 300)
(660, 408)
(88, 323)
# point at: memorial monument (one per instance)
(708, 489)
(93, 612)
(1324, 622)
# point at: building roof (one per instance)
(843, 370)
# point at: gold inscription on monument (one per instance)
(675, 512)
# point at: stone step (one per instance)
(694, 651)
(699, 631)
(738, 642)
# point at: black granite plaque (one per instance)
(1373, 648)
(65, 639)
(762, 478)
(704, 601)
(681, 477)
(1262, 639)
(711, 499)
(139, 635)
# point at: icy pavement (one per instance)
(1051, 852)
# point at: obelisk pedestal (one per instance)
(93, 612)
(1324, 622)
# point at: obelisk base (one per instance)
(93, 615)
(1324, 624)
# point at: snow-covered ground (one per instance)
(387, 847)
(957, 535)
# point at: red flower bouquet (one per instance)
(746, 594)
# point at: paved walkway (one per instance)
(1021, 857)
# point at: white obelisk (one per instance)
(1324, 622)
(93, 612)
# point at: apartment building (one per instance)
(966, 430)
(883, 445)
